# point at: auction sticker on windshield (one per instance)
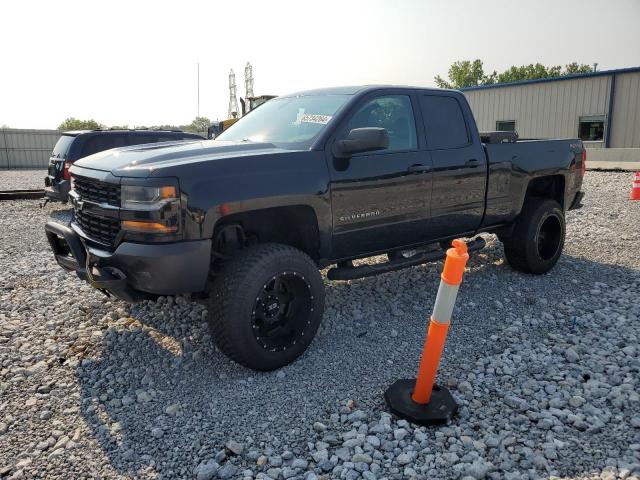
(308, 118)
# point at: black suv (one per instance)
(75, 145)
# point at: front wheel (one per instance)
(538, 236)
(265, 306)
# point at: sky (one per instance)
(134, 62)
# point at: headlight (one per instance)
(150, 210)
(146, 198)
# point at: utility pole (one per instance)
(198, 89)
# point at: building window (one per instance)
(591, 129)
(506, 125)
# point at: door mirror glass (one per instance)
(361, 140)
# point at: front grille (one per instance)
(101, 229)
(97, 191)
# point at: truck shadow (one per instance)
(159, 395)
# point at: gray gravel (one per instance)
(22, 179)
(545, 369)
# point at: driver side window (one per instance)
(393, 113)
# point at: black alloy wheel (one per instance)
(536, 243)
(282, 311)
(265, 305)
(549, 237)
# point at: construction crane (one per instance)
(233, 100)
(250, 102)
(249, 98)
(248, 81)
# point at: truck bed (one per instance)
(511, 167)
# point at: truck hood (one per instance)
(147, 160)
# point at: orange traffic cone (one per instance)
(421, 401)
(635, 188)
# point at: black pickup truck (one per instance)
(309, 180)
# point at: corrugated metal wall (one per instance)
(26, 148)
(542, 110)
(553, 109)
(625, 127)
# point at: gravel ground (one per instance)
(22, 179)
(545, 370)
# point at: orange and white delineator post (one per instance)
(635, 188)
(451, 279)
(420, 400)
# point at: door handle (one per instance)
(474, 162)
(419, 168)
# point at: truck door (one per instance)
(459, 165)
(380, 200)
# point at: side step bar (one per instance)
(351, 273)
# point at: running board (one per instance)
(351, 273)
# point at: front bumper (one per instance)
(57, 190)
(134, 271)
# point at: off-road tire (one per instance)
(234, 293)
(538, 236)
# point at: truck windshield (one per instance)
(287, 122)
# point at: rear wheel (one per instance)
(265, 306)
(538, 236)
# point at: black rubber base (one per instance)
(438, 411)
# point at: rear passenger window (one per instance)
(99, 143)
(444, 122)
(392, 112)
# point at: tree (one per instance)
(466, 73)
(199, 125)
(573, 68)
(76, 124)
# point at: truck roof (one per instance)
(121, 130)
(352, 90)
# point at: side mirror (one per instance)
(361, 140)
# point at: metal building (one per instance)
(601, 108)
(26, 148)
